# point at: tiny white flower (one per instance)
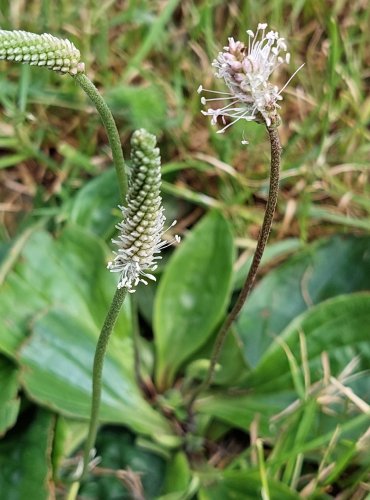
(140, 238)
(246, 71)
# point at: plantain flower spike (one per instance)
(246, 71)
(41, 50)
(140, 239)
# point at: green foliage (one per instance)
(119, 450)
(275, 251)
(56, 369)
(25, 458)
(138, 101)
(193, 294)
(327, 268)
(74, 278)
(55, 361)
(93, 206)
(241, 484)
(61, 321)
(338, 327)
(178, 476)
(9, 402)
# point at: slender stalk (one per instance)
(111, 128)
(115, 142)
(261, 243)
(100, 351)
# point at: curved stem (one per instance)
(111, 128)
(261, 243)
(100, 351)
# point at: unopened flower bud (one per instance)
(40, 50)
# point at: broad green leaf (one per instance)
(69, 271)
(338, 326)
(93, 206)
(58, 295)
(331, 267)
(56, 370)
(25, 460)
(242, 484)
(9, 402)
(193, 294)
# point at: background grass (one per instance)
(148, 58)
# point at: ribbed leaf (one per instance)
(193, 294)
(327, 268)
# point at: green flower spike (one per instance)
(40, 50)
(141, 231)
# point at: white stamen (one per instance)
(247, 75)
(290, 79)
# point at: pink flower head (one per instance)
(246, 71)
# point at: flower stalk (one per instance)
(261, 244)
(100, 351)
(246, 71)
(110, 127)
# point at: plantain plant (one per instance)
(222, 397)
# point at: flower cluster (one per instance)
(246, 71)
(141, 231)
(40, 50)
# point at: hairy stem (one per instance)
(261, 243)
(111, 129)
(120, 294)
(101, 348)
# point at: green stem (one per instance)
(261, 243)
(100, 351)
(111, 129)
